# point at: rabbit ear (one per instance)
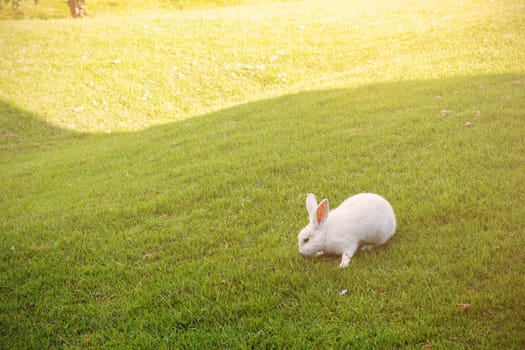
(322, 212)
(311, 204)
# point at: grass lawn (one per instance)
(154, 168)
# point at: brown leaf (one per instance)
(148, 256)
(445, 112)
(464, 307)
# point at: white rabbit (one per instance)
(363, 220)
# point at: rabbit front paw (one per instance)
(345, 260)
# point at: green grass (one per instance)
(154, 172)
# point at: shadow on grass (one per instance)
(22, 130)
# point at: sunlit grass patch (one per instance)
(127, 73)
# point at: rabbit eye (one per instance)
(306, 240)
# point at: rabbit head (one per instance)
(312, 237)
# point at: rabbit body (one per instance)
(363, 220)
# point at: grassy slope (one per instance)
(183, 234)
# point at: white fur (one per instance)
(363, 220)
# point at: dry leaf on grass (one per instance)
(148, 256)
(464, 307)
